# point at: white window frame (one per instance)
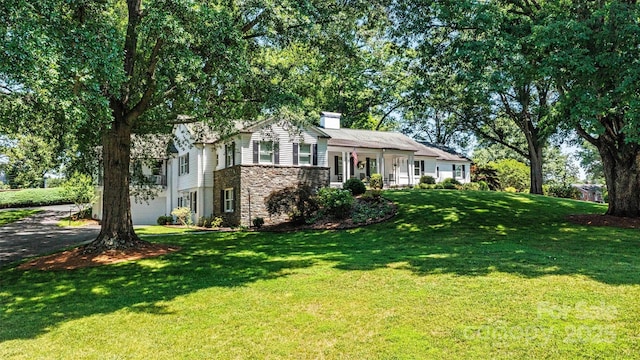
(266, 152)
(307, 156)
(183, 167)
(229, 200)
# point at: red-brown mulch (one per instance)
(605, 220)
(76, 259)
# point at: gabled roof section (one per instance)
(443, 152)
(375, 140)
(205, 134)
(151, 146)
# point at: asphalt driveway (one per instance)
(40, 234)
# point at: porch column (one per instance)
(345, 166)
(410, 169)
(382, 169)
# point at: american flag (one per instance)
(354, 155)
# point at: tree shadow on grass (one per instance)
(34, 301)
(464, 234)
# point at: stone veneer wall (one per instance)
(258, 181)
(224, 179)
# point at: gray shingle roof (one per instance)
(374, 140)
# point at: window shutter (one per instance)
(276, 153)
(453, 168)
(422, 166)
(256, 147)
(233, 199)
(295, 153)
(464, 175)
(336, 165)
(233, 156)
(226, 156)
(222, 201)
(187, 164)
(368, 171)
(314, 150)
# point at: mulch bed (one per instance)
(329, 223)
(76, 259)
(605, 220)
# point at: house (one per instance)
(590, 192)
(230, 174)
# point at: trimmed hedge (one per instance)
(32, 197)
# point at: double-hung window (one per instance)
(458, 171)
(228, 200)
(304, 154)
(416, 168)
(266, 152)
(229, 149)
(183, 164)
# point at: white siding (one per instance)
(446, 170)
(285, 141)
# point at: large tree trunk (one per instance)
(534, 148)
(535, 163)
(117, 227)
(621, 164)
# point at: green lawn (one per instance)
(32, 197)
(454, 275)
(9, 216)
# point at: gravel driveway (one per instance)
(40, 234)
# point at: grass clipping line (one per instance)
(76, 259)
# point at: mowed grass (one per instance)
(9, 216)
(32, 197)
(454, 275)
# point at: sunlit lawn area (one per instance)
(9, 216)
(454, 275)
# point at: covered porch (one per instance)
(395, 166)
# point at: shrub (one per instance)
(426, 179)
(54, 182)
(295, 201)
(375, 182)
(372, 195)
(165, 220)
(79, 189)
(355, 185)
(439, 186)
(512, 173)
(510, 189)
(335, 202)
(450, 183)
(258, 222)
(366, 211)
(183, 214)
(483, 185)
(471, 186)
(487, 175)
(563, 191)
